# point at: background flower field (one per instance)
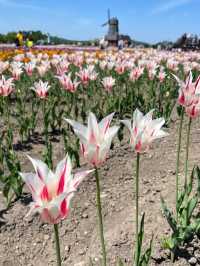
(32, 122)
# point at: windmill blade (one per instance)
(106, 23)
(108, 14)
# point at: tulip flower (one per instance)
(78, 60)
(103, 65)
(161, 75)
(41, 88)
(187, 90)
(84, 75)
(16, 70)
(3, 66)
(29, 67)
(87, 74)
(62, 67)
(52, 192)
(151, 73)
(189, 98)
(136, 73)
(108, 83)
(144, 130)
(67, 83)
(95, 141)
(6, 86)
(120, 68)
(193, 110)
(43, 68)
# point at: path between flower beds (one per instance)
(29, 242)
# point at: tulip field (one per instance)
(99, 157)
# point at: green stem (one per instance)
(44, 119)
(57, 244)
(100, 217)
(178, 157)
(137, 209)
(172, 256)
(187, 151)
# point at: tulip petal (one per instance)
(78, 177)
(111, 133)
(77, 126)
(93, 129)
(41, 168)
(137, 115)
(105, 123)
(32, 181)
(189, 79)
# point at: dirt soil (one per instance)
(27, 241)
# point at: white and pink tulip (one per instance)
(95, 139)
(52, 192)
(41, 88)
(144, 130)
(6, 86)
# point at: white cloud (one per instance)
(169, 5)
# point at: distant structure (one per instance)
(48, 38)
(112, 36)
(188, 42)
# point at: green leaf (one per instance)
(198, 179)
(167, 243)
(191, 206)
(144, 261)
(171, 221)
(179, 110)
(179, 202)
(140, 236)
(189, 186)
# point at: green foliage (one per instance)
(143, 257)
(10, 180)
(186, 224)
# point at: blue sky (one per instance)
(145, 20)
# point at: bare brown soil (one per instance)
(27, 241)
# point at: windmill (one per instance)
(113, 30)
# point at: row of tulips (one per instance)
(72, 85)
(52, 192)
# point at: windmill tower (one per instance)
(113, 30)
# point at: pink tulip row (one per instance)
(133, 63)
